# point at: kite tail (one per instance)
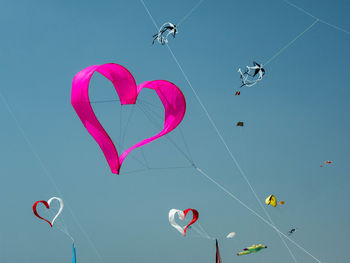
(243, 253)
(218, 258)
(74, 259)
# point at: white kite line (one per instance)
(224, 142)
(315, 17)
(46, 172)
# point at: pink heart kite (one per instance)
(171, 96)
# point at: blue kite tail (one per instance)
(74, 259)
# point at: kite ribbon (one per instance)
(182, 215)
(194, 219)
(36, 213)
(47, 205)
(74, 259)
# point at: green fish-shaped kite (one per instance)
(251, 249)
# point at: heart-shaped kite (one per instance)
(182, 215)
(171, 96)
(47, 204)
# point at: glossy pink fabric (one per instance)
(171, 96)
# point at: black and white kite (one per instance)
(252, 75)
(290, 232)
(164, 32)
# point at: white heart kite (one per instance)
(182, 215)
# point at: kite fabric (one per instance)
(247, 78)
(327, 163)
(182, 216)
(172, 221)
(281, 202)
(172, 30)
(74, 259)
(252, 249)
(218, 258)
(47, 205)
(123, 81)
(271, 200)
(231, 235)
(290, 232)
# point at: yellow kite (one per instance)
(271, 200)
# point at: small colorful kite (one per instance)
(252, 249)
(326, 163)
(290, 232)
(271, 200)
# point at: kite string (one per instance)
(190, 12)
(127, 125)
(144, 163)
(113, 100)
(189, 159)
(120, 127)
(59, 222)
(185, 143)
(143, 108)
(147, 105)
(155, 113)
(144, 157)
(158, 168)
(48, 175)
(203, 230)
(200, 232)
(214, 125)
(46, 171)
(151, 104)
(218, 132)
(209, 117)
(320, 20)
(254, 212)
(149, 14)
(227, 148)
(123, 131)
(291, 42)
(290, 252)
(179, 128)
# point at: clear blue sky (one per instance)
(295, 118)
